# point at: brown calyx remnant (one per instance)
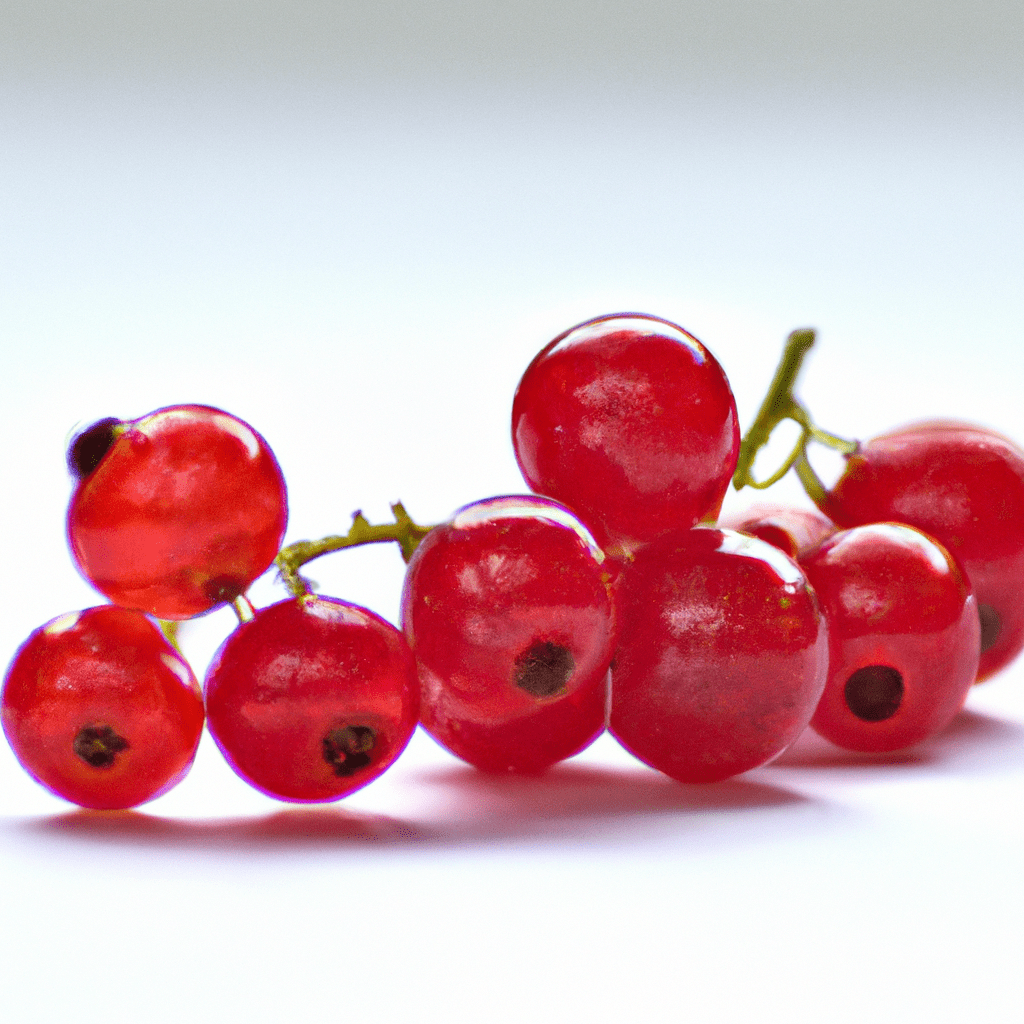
(991, 625)
(543, 669)
(223, 589)
(874, 693)
(348, 749)
(99, 745)
(87, 449)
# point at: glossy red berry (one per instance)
(722, 655)
(508, 610)
(312, 698)
(101, 709)
(904, 636)
(792, 530)
(176, 512)
(964, 486)
(629, 421)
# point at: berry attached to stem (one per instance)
(312, 698)
(101, 709)
(722, 656)
(903, 636)
(959, 483)
(629, 421)
(176, 512)
(508, 610)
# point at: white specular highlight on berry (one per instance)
(334, 611)
(753, 547)
(481, 513)
(905, 536)
(232, 426)
(177, 667)
(632, 323)
(62, 624)
(705, 617)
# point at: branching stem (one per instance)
(403, 530)
(781, 404)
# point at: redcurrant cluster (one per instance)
(608, 598)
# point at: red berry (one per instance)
(509, 612)
(101, 710)
(722, 658)
(964, 486)
(629, 421)
(792, 530)
(180, 511)
(312, 698)
(904, 636)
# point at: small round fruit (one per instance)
(722, 657)
(508, 609)
(312, 698)
(629, 421)
(964, 486)
(904, 636)
(792, 530)
(100, 708)
(176, 512)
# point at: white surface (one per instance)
(354, 230)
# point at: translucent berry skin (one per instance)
(964, 486)
(508, 609)
(183, 511)
(897, 605)
(792, 530)
(312, 698)
(630, 422)
(100, 709)
(722, 658)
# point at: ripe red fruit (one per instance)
(722, 657)
(904, 636)
(176, 512)
(508, 610)
(312, 698)
(964, 486)
(100, 708)
(629, 421)
(792, 530)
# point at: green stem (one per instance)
(781, 404)
(403, 530)
(169, 628)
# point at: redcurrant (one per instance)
(101, 709)
(964, 486)
(508, 610)
(312, 698)
(629, 421)
(175, 512)
(904, 636)
(722, 657)
(793, 530)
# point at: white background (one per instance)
(353, 224)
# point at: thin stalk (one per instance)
(404, 531)
(781, 404)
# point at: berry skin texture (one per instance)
(183, 509)
(312, 698)
(792, 530)
(101, 710)
(630, 422)
(964, 486)
(904, 637)
(722, 658)
(508, 609)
